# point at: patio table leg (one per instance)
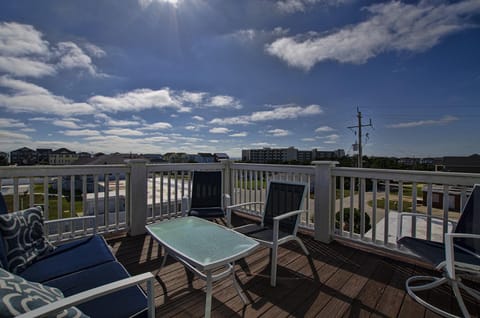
(208, 300)
(237, 286)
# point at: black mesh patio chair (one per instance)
(458, 257)
(280, 219)
(207, 200)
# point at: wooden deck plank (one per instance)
(344, 282)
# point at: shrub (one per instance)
(356, 220)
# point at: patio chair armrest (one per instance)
(288, 214)
(95, 293)
(243, 204)
(230, 207)
(450, 251)
(418, 215)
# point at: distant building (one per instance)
(63, 156)
(267, 155)
(220, 156)
(154, 158)
(470, 164)
(43, 156)
(23, 156)
(3, 158)
(176, 157)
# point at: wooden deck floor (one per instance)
(336, 281)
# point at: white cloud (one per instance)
(28, 129)
(308, 139)
(330, 139)
(191, 127)
(292, 6)
(240, 134)
(146, 3)
(158, 139)
(23, 52)
(192, 97)
(219, 130)
(21, 66)
(11, 135)
(66, 123)
(20, 39)
(71, 56)
(427, 122)
(278, 132)
(324, 129)
(277, 113)
(82, 132)
(94, 50)
(224, 101)
(11, 123)
(393, 26)
(138, 100)
(262, 144)
(27, 97)
(157, 126)
(199, 118)
(123, 132)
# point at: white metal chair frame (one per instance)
(453, 271)
(276, 242)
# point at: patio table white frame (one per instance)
(203, 247)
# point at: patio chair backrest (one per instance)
(206, 189)
(469, 221)
(3, 205)
(283, 197)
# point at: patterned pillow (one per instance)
(23, 239)
(18, 296)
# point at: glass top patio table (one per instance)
(203, 244)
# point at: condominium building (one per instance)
(268, 155)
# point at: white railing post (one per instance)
(323, 200)
(137, 196)
(227, 183)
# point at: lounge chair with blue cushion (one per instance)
(83, 272)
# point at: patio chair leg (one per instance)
(273, 270)
(458, 296)
(302, 246)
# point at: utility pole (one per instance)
(359, 126)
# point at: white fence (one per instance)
(126, 197)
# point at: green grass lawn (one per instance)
(393, 205)
(38, 199)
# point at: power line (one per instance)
(359, 127)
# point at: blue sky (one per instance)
(154, 76)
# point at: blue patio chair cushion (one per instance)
(129, 302)
(70, 257)
(207, 212)
(434, 252)
(18, 296)
(23, 238)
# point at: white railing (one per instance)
(138, 193)
(70, 191)
(167, 184)
(378, 196)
